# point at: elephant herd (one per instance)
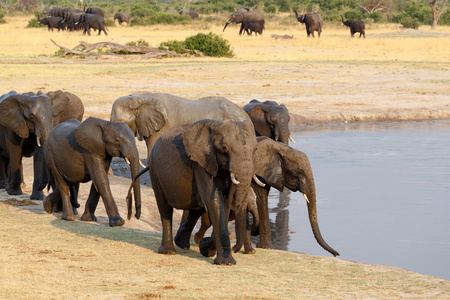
(208, 157)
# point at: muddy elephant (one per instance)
(192, 167)
(313, 22)
(244, 17)
(80, 152)
(150, 115)
(270, 119)
(52, 23)
(279, 166)
(122, 17)
(355, 26)
(65, 106)
(96, 22)
(25, 123)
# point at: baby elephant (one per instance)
(355, 26)
(79, 152)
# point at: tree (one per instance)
(436, 12)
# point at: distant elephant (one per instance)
(355, 26)
(97, 22)
(25, 123)
(72, 19)
(52, 22)
(150, 115)
(122, 17)
(243, 17)
(94, 11)
(65, 106)
(279, 166)
(270, 119)
(192, 14)
(253, 27)
(80, 152)
(192, 167)
(313, 22)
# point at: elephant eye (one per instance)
(224, 149)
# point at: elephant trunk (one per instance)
(282, 134)
(310, 197)
(342, 19)
(134, 166)
(226, 24)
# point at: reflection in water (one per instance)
(383, 196)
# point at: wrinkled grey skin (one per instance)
(150, 115)
(190, 168)
(313, 22)
(279, 166)
(244, 17)
(122, 17)
(96, 22)
(25, 122)
(269, 119)
(80, 152)
(65, 106)
(355, 26)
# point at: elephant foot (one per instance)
(167, 250)
(47, 203)
(207, 248)
(37, 195)
(116, 221)
(87, 217)
(75, 211)
(224, 259)
(3, 184)
(68, 216)
(264, 245)
(14, 191)
(182, 241)
(251, 250)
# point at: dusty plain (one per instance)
(392, 75)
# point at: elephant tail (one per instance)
(128, 199)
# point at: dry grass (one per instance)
(387, 76)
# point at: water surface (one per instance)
(383, 196)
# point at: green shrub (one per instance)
(210, 44)
(409, 22)
(139, 42)
(271, 8)
(2, 18)
(110, 23)
(34, 23)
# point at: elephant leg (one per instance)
(51, 200)
(262, 195)
(91, 205)
(63, 189)
(40, 174)
(15, 174)
(74, 188)
(205, 224)
(4, 163)
(166, 213)
(248, 248)
(184, 232)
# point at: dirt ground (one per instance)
(392, 75)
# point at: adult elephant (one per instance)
(243, 17)
(52, 22)
(96, 22)
(279, 166)
(25, 123)
(66, 106)
(192, 167)
(150, 115)
(80, 152)
(94, 11)
(313, 22)
(355, 26)
(270, 119)
(192, 14)
(122, 17)
(72, 19)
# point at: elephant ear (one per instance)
(89, 135)
(59, 101)
(151, 116)
(199, 146)
(11, 114)
(268, 162)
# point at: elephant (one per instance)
(151, 114)
(312, 21)
(97, 22)
(270, 119)
(73, 19)
(52, 22)
(65, 106)
(253, 27)
(192, 167)
(244, 17)
(355, 26)
(25, 123)
(279, 166)
(80, 152)
(94, 11)
(192, 14)
(122, 17)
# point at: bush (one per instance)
(110, 23)
(210, 44)
(34, 23)
(409, 22)
(139, 42)
(2, 18)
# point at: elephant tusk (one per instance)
(258, 182)
(292, 140)
(306, 198)
(127, 160)
(233, 179)
(142, 165)
(38, 140)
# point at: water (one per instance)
(383, 196)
